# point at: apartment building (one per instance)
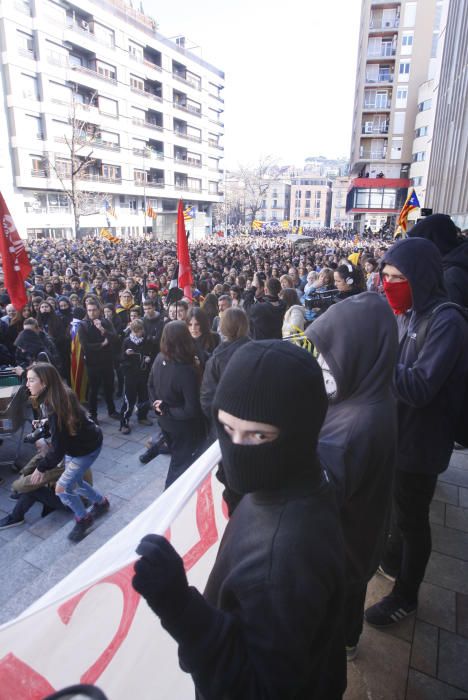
(339, 217)
(310, 201)
(277, 201)
(91, 86)
(395, 44)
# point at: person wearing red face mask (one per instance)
(429, 377)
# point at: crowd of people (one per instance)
(330, 454)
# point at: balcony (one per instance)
(85, 29)
(148, 153)
(146, 93)
(157, 182)
(27, 53)
(372, 129)
(189, 137)
(377, 154)
(380, 106)
(379, 23)
(96, 177)
(40, 173)
(385, 52)
(189, 161)
(186, 80)
(186, 188)
(215, 144)
(143, 122)
(188, 108)
(380, 78)
(94, 73)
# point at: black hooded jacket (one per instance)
(429, 383)
(440, 229)
(358, 440)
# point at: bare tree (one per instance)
(256, 181)
(74, 169)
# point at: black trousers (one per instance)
(96, 377)
(185, 439)
(409, 543)
(135, 392)
(44, 495)
(355, 598)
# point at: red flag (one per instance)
(183, 257)
(16, 265)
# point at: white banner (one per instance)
(94, 628)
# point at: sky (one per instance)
(290, 71)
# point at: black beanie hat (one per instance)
(438, 228)
(277, 383)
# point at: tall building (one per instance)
(310, 201)
(446, 189)
(340, 218)
(90, 87)
(395, 42)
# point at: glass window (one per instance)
(29, 86)
(389, 199)
(422, 106)
(409, 19)
(362, 198)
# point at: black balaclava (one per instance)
(274, 382)
(438, 228)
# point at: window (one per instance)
(140, 176)
(137, 83)
(106, 70)
(298, 194)
(422, 106)
(409, 19)
(403, 71)
(105, 35)
(399, 122)
(29, 86)
(39, 166)
(422, 131)
(34, 126)
(419, 156)
(213, 187)
(194, 184)
(416, 181)
(401, 97)
(108, 138)
(63, 167)
(407, 43)
(108, 106)
(397, 145)
(111, 172)
(135, 51)
(25, 43)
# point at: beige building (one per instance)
(310, 201)
(339, 217)
(395, 43)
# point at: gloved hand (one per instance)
(160, 576)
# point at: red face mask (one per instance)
(399, 296)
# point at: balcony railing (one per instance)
(385, 52)
(157, 182)
(148, 153)
(186, 187)
(88, 32)
(23, 7)
(40, 173)
(94, 73)
(188, 108)
(95, 177)
(150, 64)
(384, 24)
(146, 93)
(143, 122)
(380, 106)
(381, 78)
(189, 161)
(373, 155)
(189, 137)
(215, 144)
(187, 81)
(27, 53)
(374, 129)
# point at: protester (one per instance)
(173, 387)
(135, 364)
(271, 613)
(430, 370)
(294, 317)
(75, 438)
(357, 442)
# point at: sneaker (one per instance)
(81, 528)
(145, 421)
(351, 653)
(13, 495)
(389, 575)
(114, 415)
(391, 609)
(10, 521)
(125, 429)
(98, 509)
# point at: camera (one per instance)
(320, 300)
(41, 432)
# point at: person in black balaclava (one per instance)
(440, 229)
(269, 624)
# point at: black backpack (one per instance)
(461, 428)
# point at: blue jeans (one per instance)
(74, 486)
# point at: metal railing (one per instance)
(146, 93)
(94, 73)
(158, 182)
(378, 23)
(385, 52)
(373, 155)
(40, 173)
(375, 129)
(189, 161)
(188, 108)
(187, 81)
(381, 78)
(189, 137)
(374, 105)
(143, 122)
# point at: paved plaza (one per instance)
(420, 659)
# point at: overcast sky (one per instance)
(290, 71)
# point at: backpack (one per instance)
(461, 427)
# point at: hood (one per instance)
(438, 228)
(457, 257)
(359, 340)
(421, 263)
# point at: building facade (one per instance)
(93, 95)
(395, 45)
(277, 201)
(310, 201)
(340, 218)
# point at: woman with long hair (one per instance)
(74, 438)
(174, 391)
(205, 340)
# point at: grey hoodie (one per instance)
(358, 442)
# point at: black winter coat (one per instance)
(214, 370)
(91, 340)
(428, 384)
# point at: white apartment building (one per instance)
(142, 112)
(277, 201)
(395, 47)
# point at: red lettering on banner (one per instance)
(206, 525)
(122, 579)
(18, 681)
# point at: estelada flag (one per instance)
(16, 265)
(78, 373)
(412, 202)
(183, 257)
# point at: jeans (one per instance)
(74, 485)
(409, 544)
